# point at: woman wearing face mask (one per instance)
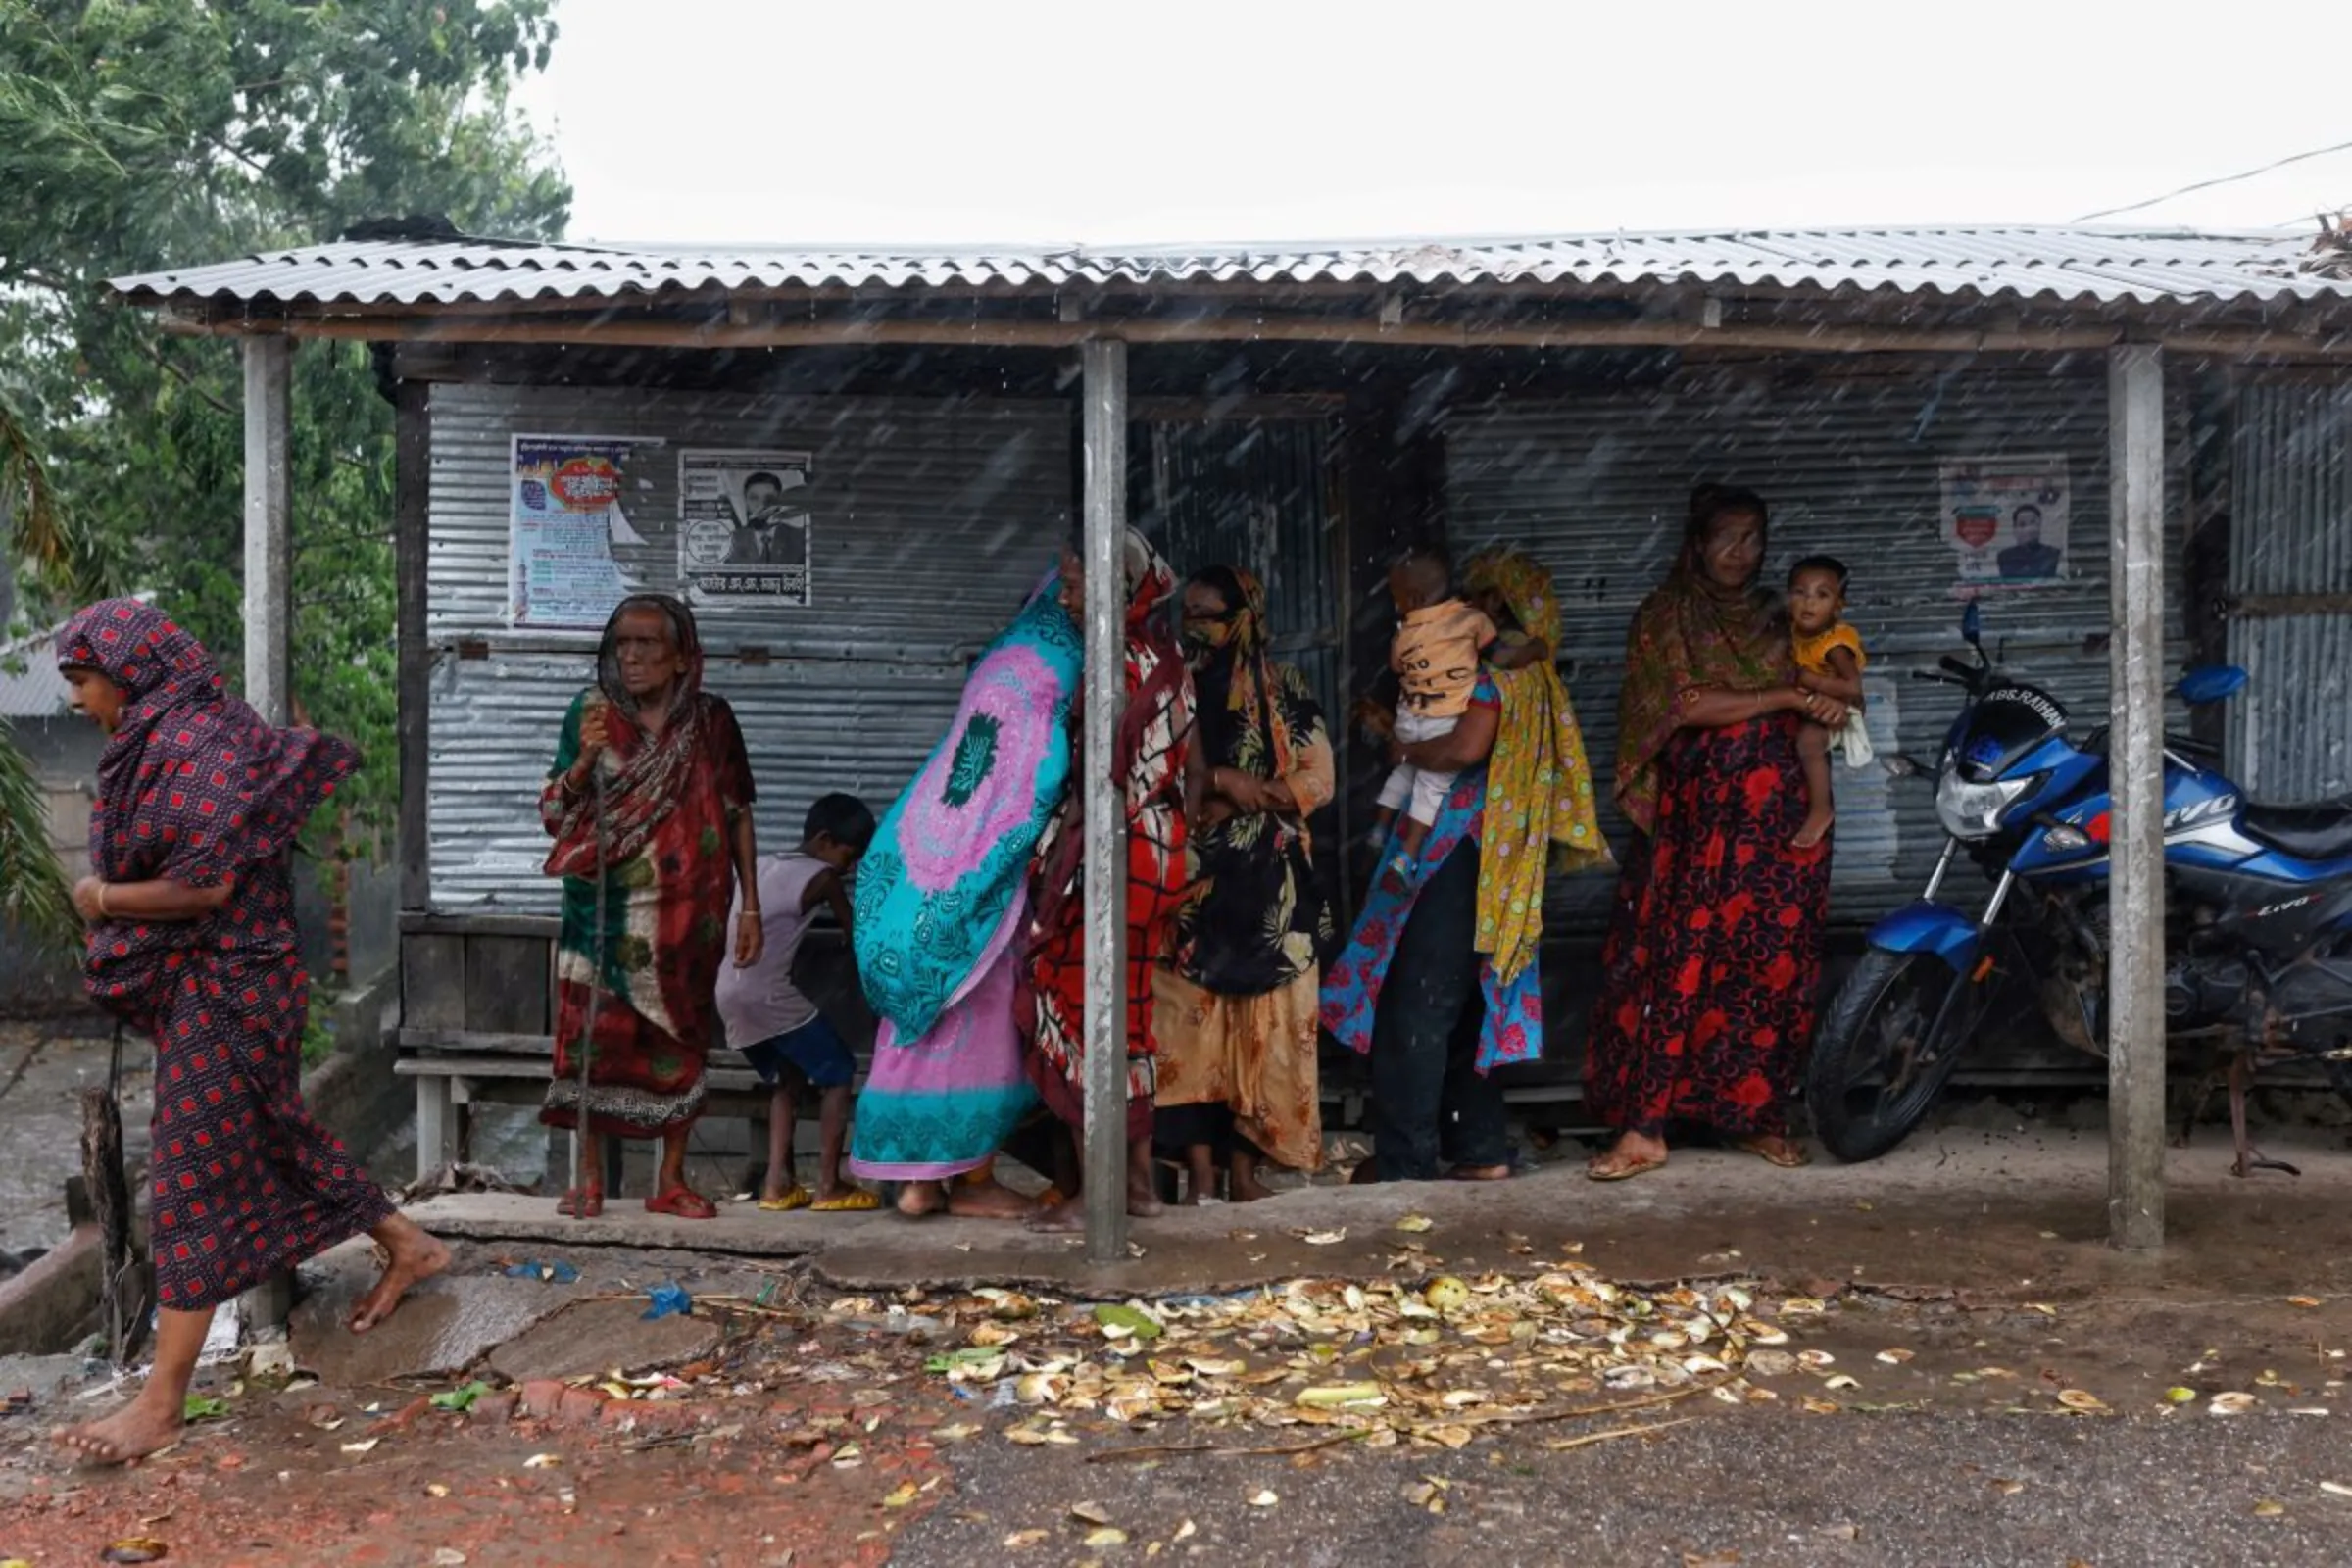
(1235, 1004)
(1714, 952)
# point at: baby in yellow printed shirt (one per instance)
(1830, 661)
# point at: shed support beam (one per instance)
(2135, 1021)
(269, 523)
(1103, 369)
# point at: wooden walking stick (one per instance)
(110, 1204)
(596, 993)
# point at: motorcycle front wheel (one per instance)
(1890, 1040)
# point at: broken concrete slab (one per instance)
(444, 1326)
(591, 1338)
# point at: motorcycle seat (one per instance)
(2309, 830)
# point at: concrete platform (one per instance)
(1959, 1210)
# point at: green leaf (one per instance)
(203, 1407)
(1135, 1321)
(460, 1398)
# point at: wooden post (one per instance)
(269, 522)
(2136, 1020)
(110, 1206)
(1103, 363)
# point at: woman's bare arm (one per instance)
(161, 900)
(1471, 742)
(1715, 706)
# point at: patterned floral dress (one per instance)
(1714, 949)
(1235, 1004)
(1152, 739)
(670, 807)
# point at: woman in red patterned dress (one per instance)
(192, 943)
(1714, 951)
(651, 790)
(1157, 772)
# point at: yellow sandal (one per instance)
(857, 1200)
(798, 1198)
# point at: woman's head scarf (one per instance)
(1540, 811)
(1692, 634)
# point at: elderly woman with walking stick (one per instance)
(650, 805)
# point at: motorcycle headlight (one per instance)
(1973, 810)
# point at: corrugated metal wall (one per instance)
(1255, 494)
(1847, 454)
(932, 520)
(2291, 535)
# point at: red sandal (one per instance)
(682, 1202)
(588, 1207)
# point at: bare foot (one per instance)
(1060, 1218)
(1816, 827)
(1143, 1201)
(410, 1258)
(1246, 1188)
(147, 1425)
(988, 1200)
(916, 1200)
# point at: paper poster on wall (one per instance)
(744, 526)
(2006, 518)
(564, 529)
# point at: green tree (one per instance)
(140, 134)
(32, 885)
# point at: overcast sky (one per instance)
(1109, 121)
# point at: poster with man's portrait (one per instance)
(744, 528)
(2005, 519)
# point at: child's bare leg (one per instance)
(1245, 1187)
(780, 1114)
(1200, 1173)
(833, 1124)
(1813, 754)
(1396, 876)
(1383, 819)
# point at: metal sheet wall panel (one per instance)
(2292, 534)
(1597, 485)
(931, 522)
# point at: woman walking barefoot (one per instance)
(192, 943)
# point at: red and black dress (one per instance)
(1714, 949)
(196, 788)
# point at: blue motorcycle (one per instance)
(2258, 938)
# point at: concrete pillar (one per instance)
(269, 523)
(2135, 1021)
(1103, 363)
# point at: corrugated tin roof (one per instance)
(2094, 264)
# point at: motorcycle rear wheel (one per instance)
(1886, 1048)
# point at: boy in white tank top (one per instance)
(787, 1040)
